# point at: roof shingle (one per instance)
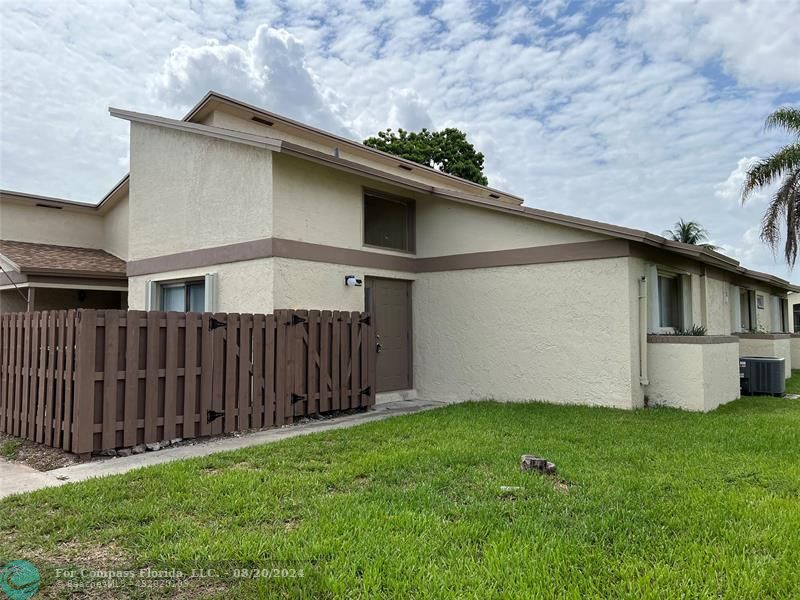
(48, 258)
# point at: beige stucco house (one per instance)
(236, 209)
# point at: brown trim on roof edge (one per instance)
(292, 249)
(692, 339)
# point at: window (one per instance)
(670, 301)
(184, 296)
(388, 222)
(796, 315)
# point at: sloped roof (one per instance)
(28, 257)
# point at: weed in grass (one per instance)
(10, 448)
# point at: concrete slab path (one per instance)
(16, 478)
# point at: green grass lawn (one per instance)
(648, 504)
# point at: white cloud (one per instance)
(730, 190)
(269, 71)
(624, 119)
(756, 42)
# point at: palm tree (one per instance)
(783, 168)
(689, 232)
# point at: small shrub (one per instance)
(695, 330)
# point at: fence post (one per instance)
(83, 433)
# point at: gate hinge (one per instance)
(296, 319)
(365, 320)
(214, 324)
(297, 397)
(213, 415)
(366, 391)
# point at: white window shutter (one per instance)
(211, 292)
(736, 308)
(775, 313)
(653, 320)
(686, 298)
(151, 297)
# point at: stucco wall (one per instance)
(697, 377)
(314, 285)
(317, 204)
(116, 230)
(768, 347)
(244, 287)
(41, 225)
(189, 191)
(555, 332)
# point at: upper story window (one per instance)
(388, 222)
(183, 296)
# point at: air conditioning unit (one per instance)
(762, 375)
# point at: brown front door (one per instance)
(389, 303)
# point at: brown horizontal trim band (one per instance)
(293, 249)
(342, 256)
(763, 336)
(203, 257)
(692, 339)
(525, 256)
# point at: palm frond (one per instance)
(786, 117)
(771, 169)
(784, 210)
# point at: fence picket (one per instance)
(190, 371)
(86, 380)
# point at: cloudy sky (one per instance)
(635, 112)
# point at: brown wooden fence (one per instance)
(88, 380)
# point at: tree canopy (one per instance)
(447, 150)
(783, 169)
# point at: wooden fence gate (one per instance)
(87, 380)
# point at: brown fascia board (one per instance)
(698, 253)
(75, 273)
(47, 201)
(116, 192)
(212, 98)
(216, 132)
(108, 201)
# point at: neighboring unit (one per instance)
(474, 296)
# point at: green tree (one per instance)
(782, 168)
(689, 232)
(448, 150)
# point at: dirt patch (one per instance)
(38, 456)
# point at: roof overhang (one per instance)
(214, 100)
(697, 253)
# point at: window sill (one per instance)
(390, 250)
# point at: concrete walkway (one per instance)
(16, 478)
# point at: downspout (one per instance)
(643, 331)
